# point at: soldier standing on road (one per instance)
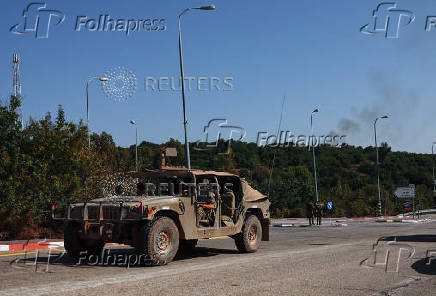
(310, 212)
(319, 207)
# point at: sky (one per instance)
(311, 52)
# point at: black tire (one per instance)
(159, 241)
(248, 240)
(75, 246)
(187, 246)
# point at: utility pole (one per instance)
(313, 153)
(182, 73)
(377, 163)
(136, 145)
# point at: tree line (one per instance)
(48, 160)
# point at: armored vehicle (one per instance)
(171, 209)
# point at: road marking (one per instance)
(150, 273)
(26, 253)
(17, 254)
(400, 287)
(218, 237)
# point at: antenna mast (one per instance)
(279, 137)
(17, 82)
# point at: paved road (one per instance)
(297, 261)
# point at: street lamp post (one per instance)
(101, 79)
(182, 72)
(432, 155)
(313, 153)
(136, 144)
(377, 164)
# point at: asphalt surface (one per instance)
(363, 258)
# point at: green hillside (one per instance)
(48, 160)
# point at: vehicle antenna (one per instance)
(279, 138)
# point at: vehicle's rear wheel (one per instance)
(248, 240)
(159, 240)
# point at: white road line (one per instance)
(398, 288)
(149, 273)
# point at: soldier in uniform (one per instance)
(206, 210)
(228, 202)
(319, 208)
(310, 212)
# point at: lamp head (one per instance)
(384, 117)
(315, 111)
(133, 122)
(208, 7)
(103, 79)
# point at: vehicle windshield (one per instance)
(127, 185)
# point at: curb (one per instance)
(30, 246)
(400, 221)
(306, 225)
(282, 225)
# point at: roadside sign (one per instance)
(405, 192)
(171, 152)
(329, 205)
(408, 204)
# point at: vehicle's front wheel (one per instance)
(248, 240)
(159, 240)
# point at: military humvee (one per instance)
(171, 209)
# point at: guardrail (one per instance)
(428, 211)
